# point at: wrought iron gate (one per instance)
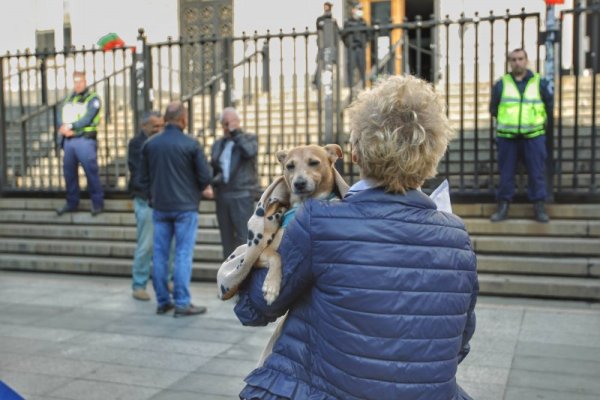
(269, 78)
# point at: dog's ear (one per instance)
(281, 155)
(334, 152)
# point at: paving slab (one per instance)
(65, 337)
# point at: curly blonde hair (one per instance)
(399, 132)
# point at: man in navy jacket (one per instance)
(174, 172)
(380, 288)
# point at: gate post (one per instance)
(141, 79)
(3, 133)
(228, 71)
(549, 68)
(329, 59)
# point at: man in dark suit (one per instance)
(174, 172)
(235, 180)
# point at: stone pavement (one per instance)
(84, 337)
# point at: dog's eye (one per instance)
(289, 167)
(314, 163)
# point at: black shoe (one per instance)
(501, 213)
(65, 209)
(165, 308)
(540, 213)
(95, 211)
(189, 311)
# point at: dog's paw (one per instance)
(270, 290)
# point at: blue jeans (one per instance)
(142, 257)
(80, 150)
(182, 225)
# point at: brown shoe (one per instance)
(189, 311)
(141, 294)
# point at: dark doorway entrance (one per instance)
(420, 55)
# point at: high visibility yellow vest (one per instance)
(73, 110)
(521, 116)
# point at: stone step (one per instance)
(582, 182)
(525, 227)
(538, 265)
(201, 271)
(110, 205)
(83, 232)
(97, 248)
(465, 210)
(85, 218)
(535, 245)
(525, 210)
(540, 286)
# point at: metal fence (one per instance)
(33, 87)
(274, 80)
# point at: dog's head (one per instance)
(308, 170)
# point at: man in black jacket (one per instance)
(174, 172)
(235, 180)
(151, 123)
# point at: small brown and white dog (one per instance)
(308, 172)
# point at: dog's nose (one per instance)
(300, 184)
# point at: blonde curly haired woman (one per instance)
(380, 287)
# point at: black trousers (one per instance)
(233, 214)
(355, 58)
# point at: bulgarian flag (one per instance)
(110, 41)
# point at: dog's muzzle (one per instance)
(300, 185)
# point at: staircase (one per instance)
(518, 257)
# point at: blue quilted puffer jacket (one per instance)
(380, 290)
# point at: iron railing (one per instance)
(269, 78)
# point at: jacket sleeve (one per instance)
(547, 93)
(495, 99)
(144, 179)
(59, 111)
(93, 108)
(214, 158)
(133, 157)
(134, 150)
(295, 251)
(201, 166)
(248, 145)
(471, 320)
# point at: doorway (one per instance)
(420, 55)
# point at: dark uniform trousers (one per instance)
(533, 153)
(82, 150)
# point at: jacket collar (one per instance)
(83, 95)
(412, 198)
(526, 78)
(172, 128)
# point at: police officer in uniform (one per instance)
(355, 42)
(78, 122)
(521, 102)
